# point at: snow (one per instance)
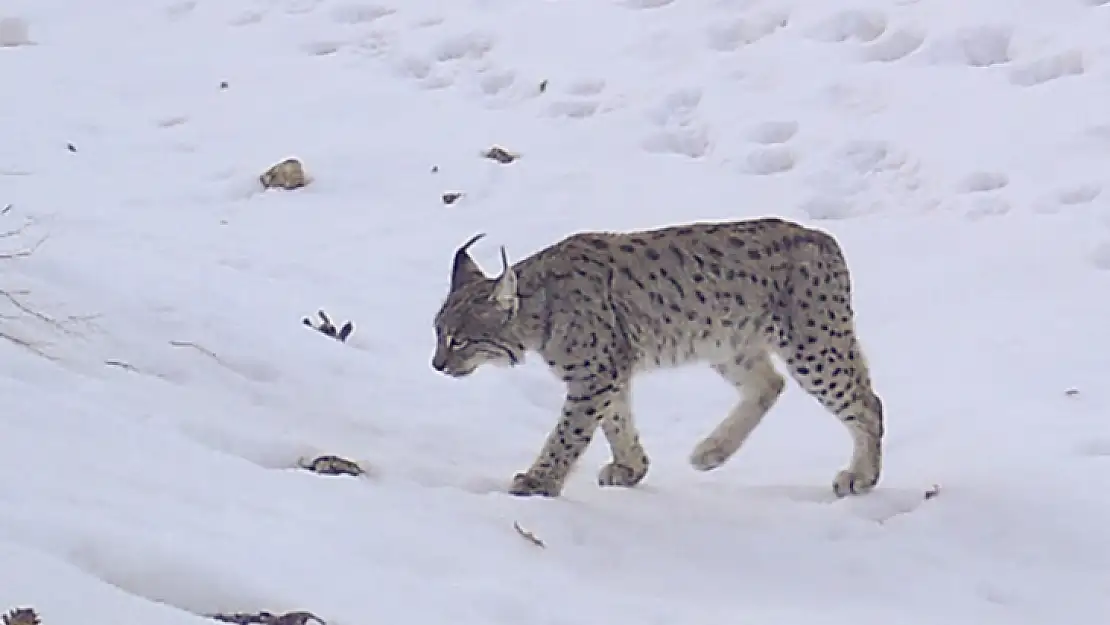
(958, 153)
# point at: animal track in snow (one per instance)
(147, 565)
(1094, 448)
(987, 206)
(181, 9)
(692, 142)
(1067, 197)
(868, 157)
(978, 46)
(321, 48)
(423, 72)
(1069, 63)
(863, 176)
(679, 129)
(461, 56)
(472, 45)
(493, 82)
(861, 25)
(827, 208)
(373, 44)
(1079, 194)
(744, 31)
(772, 132)
(585, 87)
(855, 98)
(982, 181)
(769, 160)
(414, 67)
(246, 18)
(300, 7)
(468, 48)
(676, 108)
(894, 46)
(573, 109)
(359, 13)
(646, 4)
(1100, 256)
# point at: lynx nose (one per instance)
(439, 363)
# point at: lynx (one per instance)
(601, 307)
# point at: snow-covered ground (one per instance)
(958, 150)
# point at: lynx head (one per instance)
(476, 325)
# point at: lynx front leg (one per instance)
(630, 461)
(583, 410)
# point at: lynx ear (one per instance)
(465, 270)
(504, 292)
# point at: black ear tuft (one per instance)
(464, 269)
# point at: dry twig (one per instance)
(200, 349)
(933, 491)
(327, 328)
(529, 536)
(14, 297)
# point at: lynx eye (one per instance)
(457, 342)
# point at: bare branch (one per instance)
(529, 536)
(27, 310)
(28, 345)
(200, 349)
(13, 298)
(126, 366)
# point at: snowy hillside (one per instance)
(160, 389)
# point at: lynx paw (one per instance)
(614, 474)
(853, 483)
(525, 485)
(709, 455)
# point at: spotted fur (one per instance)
(601, 307)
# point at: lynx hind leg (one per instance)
(760, 386)
(830, 366)
(630, 461)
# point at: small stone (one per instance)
(223, 84)
(288, 174)
(451, 197)
(297, 618)
(21, 616)
(501, 155)
(333, 465)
